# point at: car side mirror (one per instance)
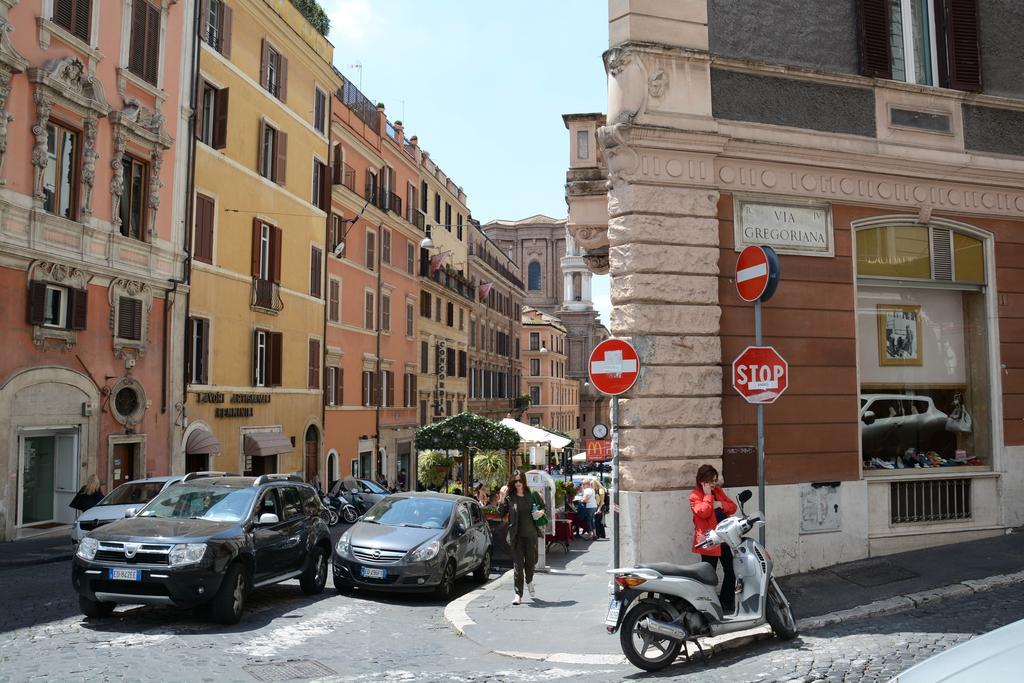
(353, 490)
(460, 528)
(268, 518)
(131, 512)
(868, 417)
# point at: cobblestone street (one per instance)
(364, 638)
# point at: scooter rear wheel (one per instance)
(646, 650)
(349, 514)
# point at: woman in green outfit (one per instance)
(522, 508)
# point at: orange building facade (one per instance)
(90, 248)
(554, 397)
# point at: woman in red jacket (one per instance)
(710, 505)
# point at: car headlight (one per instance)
(187, 553)
(344, 543)
(87, 548)
(426, 552)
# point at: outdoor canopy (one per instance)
(202, 442)
(266, 443)
(530, 434)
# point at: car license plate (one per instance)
(125, 575)
(373, 573)
(613, 613)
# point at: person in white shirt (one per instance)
(589, 503)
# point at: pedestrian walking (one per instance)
(602, 508)
(524, 509)
(88, 495)
(710, 505)
(588, 503)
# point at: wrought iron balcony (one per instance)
(266, 295)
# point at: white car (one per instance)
(994, 657)
(892, 423)
(132, 494)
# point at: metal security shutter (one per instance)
(942, 258)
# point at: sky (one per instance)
(484, 86)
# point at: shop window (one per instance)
(922, 332)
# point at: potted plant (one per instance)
(433, 467)
(490, 467)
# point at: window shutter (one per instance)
(391, 387)
(220, 118)
(314, 272)
(369, 186)
(225, 30)
(152, 48)
(79, 308)
(260, 161)
(197, 125)
(314, 364)
(189, 326)
(365, 398)
(275, 254)
(36, 303)
(963, 45)
(336, 168)
(204, 336)
(276, 355)
(264, 63)
(335, 301)
(282, 157)
(256, 225)
(137, 44)
(256, 355)
(282, 88)
(202, 240)
(204, 15)
(340, 400)
(129, 318)
(876, 57)
(63, 14)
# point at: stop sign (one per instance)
(760, 374)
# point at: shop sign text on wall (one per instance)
(798, 227)
(218, 397)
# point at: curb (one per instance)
(457, 617)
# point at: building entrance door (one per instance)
(196, 462)
(312, 453)
(122, 464)
(47, 477)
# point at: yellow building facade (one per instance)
(446, 297)
(255, 329)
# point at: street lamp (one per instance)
(426, 242)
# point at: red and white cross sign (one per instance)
(760, 374)
(751, 273)
(614, 366)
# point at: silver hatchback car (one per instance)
(415, 542)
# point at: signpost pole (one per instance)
(760, 429)
(615, 482)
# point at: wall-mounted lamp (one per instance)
(426, 242)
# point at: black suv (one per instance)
(206, 542)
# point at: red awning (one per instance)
(202, 442)
(266, 443)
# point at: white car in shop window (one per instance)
(892, 423)
(131, 494)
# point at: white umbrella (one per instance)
(531, 434)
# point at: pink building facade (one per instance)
(90, 247)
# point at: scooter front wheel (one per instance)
(780, 616)
(646, 650)
(349, 514)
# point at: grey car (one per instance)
(415, 542)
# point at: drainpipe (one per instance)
(380, 397)
(189, 207)
(325, 290)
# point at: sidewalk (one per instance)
(565, 623)
(40, 550)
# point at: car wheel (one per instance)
(483, 571)
(315, 576)
(229, 602)
(446, 588)
(95, 609)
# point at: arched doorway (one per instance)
(332, 469)
(312, 452)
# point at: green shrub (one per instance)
(315, 15)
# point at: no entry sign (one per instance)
(760, 374)
(613, 367)
(757, 273)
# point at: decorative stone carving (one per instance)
(627, 81)
(145, 128)
(117, 177)
(89, 157)
(5, 117)
(658, 85)
(154, 188)
(130, 348)
(44, 103)
(590, 237)
(622, 159)
(9, 55)
(597, 261)
(58, 274)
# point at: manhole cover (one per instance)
(873, 573)
(287, 671)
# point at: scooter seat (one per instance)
(701, 571)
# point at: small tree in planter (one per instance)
(433, 467)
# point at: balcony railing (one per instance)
(417, 218)
(394, 203)
(482, 254)
(266, 295)
(361, 106)
(348, 177)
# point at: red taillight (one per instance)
(628, 581)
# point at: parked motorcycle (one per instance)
(657, 608)
(328, 512)
(341, 508)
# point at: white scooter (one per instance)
(657, 608)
